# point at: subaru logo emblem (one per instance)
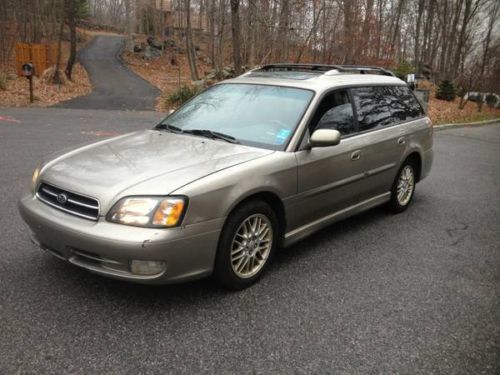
(62, 198)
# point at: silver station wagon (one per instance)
(250, 165)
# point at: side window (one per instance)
(373, 107)
(412, 108)
(334, 112)
(399, 109)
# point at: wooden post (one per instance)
(30, 78)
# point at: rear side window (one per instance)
(373, 107)
(404, 105)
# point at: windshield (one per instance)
(256, 115)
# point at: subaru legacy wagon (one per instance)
(249, 165)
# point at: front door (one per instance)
(330, 178)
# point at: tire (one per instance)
(405, 182)
(243, 253)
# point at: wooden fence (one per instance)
(42, 56)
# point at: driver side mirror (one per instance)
(324, 138)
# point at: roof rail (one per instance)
(365, 69)
(362, 69)
(297, 67)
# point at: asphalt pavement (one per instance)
(114, 85)
(415, 293)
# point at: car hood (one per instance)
(147, 162)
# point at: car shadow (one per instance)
(342, 229)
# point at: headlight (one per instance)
(148, 211)
(34, 180)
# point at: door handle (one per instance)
(356, 155)
(401, 141)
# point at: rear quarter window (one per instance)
(404, 105)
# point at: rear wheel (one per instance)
(403, 188)
(246, 245)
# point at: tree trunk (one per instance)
(71, 12)
(282, 32)
(469, 11)
(396, 30)
(491, 23)
(191, 54)
(56, 78)
(220, 34)
(451, 40)
(213, 38)
(365, 33)
(348, 42)
(311, 32)
(420, 11)
(235, 31)
(129, 44)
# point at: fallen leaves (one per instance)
(46, 94)
(443, 112)
(161, 73)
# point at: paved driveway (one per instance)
(114, 85)
(411, 293)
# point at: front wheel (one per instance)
(246, 245)
(403, 188)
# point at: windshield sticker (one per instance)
(282, 136)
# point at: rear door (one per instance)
(377, 109)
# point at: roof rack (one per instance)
(361, 69)
(366, 69)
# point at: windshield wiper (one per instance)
(200, 132)
(212, 134)
(170, 128)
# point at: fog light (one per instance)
(146, 267)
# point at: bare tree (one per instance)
(56, 77)
(191, 53)
(449, 36)
(235, 31)
(130, 24)
(70, 8)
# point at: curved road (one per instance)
(114, 85)
(415, 293)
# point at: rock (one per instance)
(227, 72)
(153, 43)
(200, 83)
(150, 53)
(169, 43)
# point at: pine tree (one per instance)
(446, 91)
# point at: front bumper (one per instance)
(106, 248)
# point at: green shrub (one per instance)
(4, 77)
(446, 91)
(181, 95)
(491, 100)
(403, 69)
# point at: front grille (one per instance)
(68, 201)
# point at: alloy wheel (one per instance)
(251, 245)
(406, 185)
